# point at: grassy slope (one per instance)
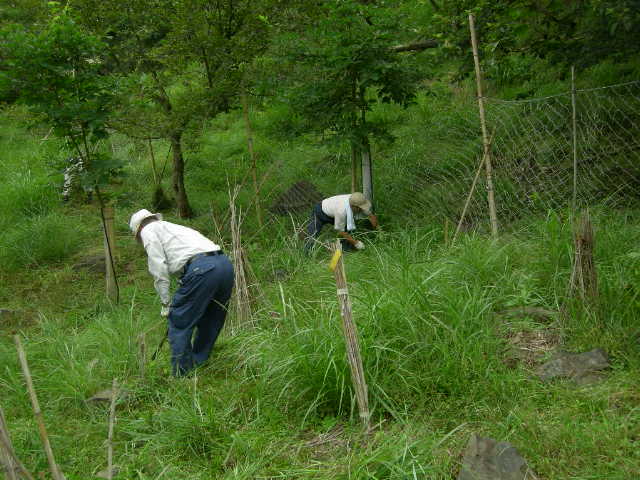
(275, 401)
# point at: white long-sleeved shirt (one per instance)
(336, 207)
(169, 247)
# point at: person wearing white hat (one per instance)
(341, 211)
(206, 281)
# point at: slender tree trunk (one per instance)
(184, 209)
(354, 167)
(366, 163)
(367, 171)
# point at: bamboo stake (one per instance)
(471, 190)
(112, 419)
(574, 134)
(142, 353)
(446, 231)
(485, 137)
(350, 332)
(109, 249)
(245, 110)
(7, 455)
(55, 471)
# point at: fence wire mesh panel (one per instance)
(532, 154)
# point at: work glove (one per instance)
(164, 311)
(359, 245)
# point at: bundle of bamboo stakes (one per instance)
(244, 276)
(350, 332)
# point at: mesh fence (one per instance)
(535, 168)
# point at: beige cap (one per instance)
(357, 199)
(138, 217)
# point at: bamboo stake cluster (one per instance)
(350, 332)
(242, 297)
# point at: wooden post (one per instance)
(584, 278)
(109, 253)
(55, 471)
(254, 168)
(350, 335)
(574, 135)
(485, 136)
(112, 419)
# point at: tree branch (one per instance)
(416, 46)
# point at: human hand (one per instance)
(359, 245)
(164, 311)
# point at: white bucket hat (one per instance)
(138, 217)
(357, 199)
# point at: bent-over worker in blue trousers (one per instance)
(206, 281)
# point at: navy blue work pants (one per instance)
(318, 220)
(199, 304)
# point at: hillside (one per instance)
(476, 328)
(444, 353)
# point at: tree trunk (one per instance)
(354, 167)
(184, 209)
(367, 171)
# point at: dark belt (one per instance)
(204, 254)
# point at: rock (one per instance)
(487, 459)
(115, 469)
(91, 263)
(7, 313)
(581, 367)
(105, 396)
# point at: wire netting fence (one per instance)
(536, 167)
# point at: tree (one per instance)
(57, 73)
(348, 53)
(180, 61)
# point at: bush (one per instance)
(40, 239)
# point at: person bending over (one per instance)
(205, 283)
(341, 211)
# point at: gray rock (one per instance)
(487, 459)
(581, 367)
(104, 396)
(115, 469)
(91, 263)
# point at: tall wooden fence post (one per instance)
(55, 471)
(483, 124)
(574, 135)
(109, 253)
(350, 335)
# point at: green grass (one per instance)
(276, 401)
